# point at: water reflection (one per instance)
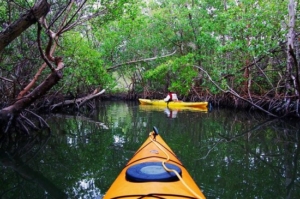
(230, 154)
(171, 112)
(18, 157)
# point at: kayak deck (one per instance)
(147, 174)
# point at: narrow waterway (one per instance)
(229, 153)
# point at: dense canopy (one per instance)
(233, 53)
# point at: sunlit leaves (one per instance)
(84, 64)
(3, 14)
(180, 72)
(222, 37)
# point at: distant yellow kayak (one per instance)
(173, 104)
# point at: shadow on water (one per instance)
(18, 156)
(230, 154)
(260, 162)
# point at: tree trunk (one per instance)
(7, 114)
(292, 79)
(40, 9)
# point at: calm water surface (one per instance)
(230, 154)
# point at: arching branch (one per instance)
(140, 60)
(48, 49)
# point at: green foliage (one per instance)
(158, 43)
(3, 15)
(220, 38)
(180, 71)
(239, 34)
(84, 65)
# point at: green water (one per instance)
(230, 154)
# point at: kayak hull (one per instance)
(173, 104)
(154, 152)
(182, 108)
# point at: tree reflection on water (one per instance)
(230, 154)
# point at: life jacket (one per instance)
(170, 94)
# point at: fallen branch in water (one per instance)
(78, 102)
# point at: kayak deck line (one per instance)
(178, 162)
(153, 133)
(154, 171)
(150, 158)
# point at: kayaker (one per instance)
(171, 97)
